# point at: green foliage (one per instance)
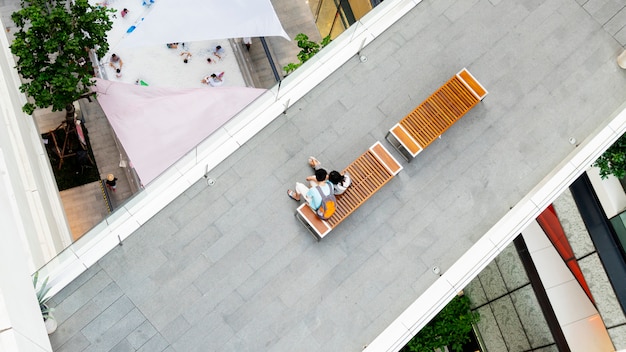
(451, 327)
(308, 49)
(52, 47)
(613, 161)
(41, 296)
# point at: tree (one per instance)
(308, 49)
(613, 160)
(451, 327)
(52, 46)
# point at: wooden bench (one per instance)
(369, 172)
(436, 114)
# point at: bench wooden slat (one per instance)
(310, 218)
(369, 172)
(435, 115)
(476, 88)
(400, 133)
(383, 156)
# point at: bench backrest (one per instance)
(369, 172)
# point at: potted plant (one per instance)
(46, 312)
(621, 60)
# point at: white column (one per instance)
(39, 209)
(21, 323)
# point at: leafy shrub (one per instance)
(308, 49)
(613, 160)
(452, 327)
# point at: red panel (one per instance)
(551, 225)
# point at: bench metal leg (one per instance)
(308, 227)
(398, 146)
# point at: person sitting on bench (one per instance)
(340, 182)
(311, 195)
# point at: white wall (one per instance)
(42, 223)
(610, 192)
(21, 323)
(33, 226)
(582, 326)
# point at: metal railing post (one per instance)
(269, 58)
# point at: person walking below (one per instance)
(111, 182)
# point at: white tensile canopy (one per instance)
(168, 21)
(157, 126)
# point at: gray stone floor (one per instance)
(228, 267)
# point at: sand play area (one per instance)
(159, 65)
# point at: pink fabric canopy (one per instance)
(157, 126)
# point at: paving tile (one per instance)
(202, 307)
(76, 283)
(154, 232)
(107, 296)
(141, 335)
(270, 270)
(123, 346)
(620, 36)
(156, 344)
(603, 10)
(208, 334)
(85, 315)
(193, 208)
(78, 342)
(116, 334)
(219, 287)
(190, 241)
(108, 318)
(79, 297)
(175, 329)
(68, 329)
(176, 275)
(240, 316)
(254, 332)
(290, 338)
(143, 260)
(160, 309)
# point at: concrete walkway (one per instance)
(228, 268)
